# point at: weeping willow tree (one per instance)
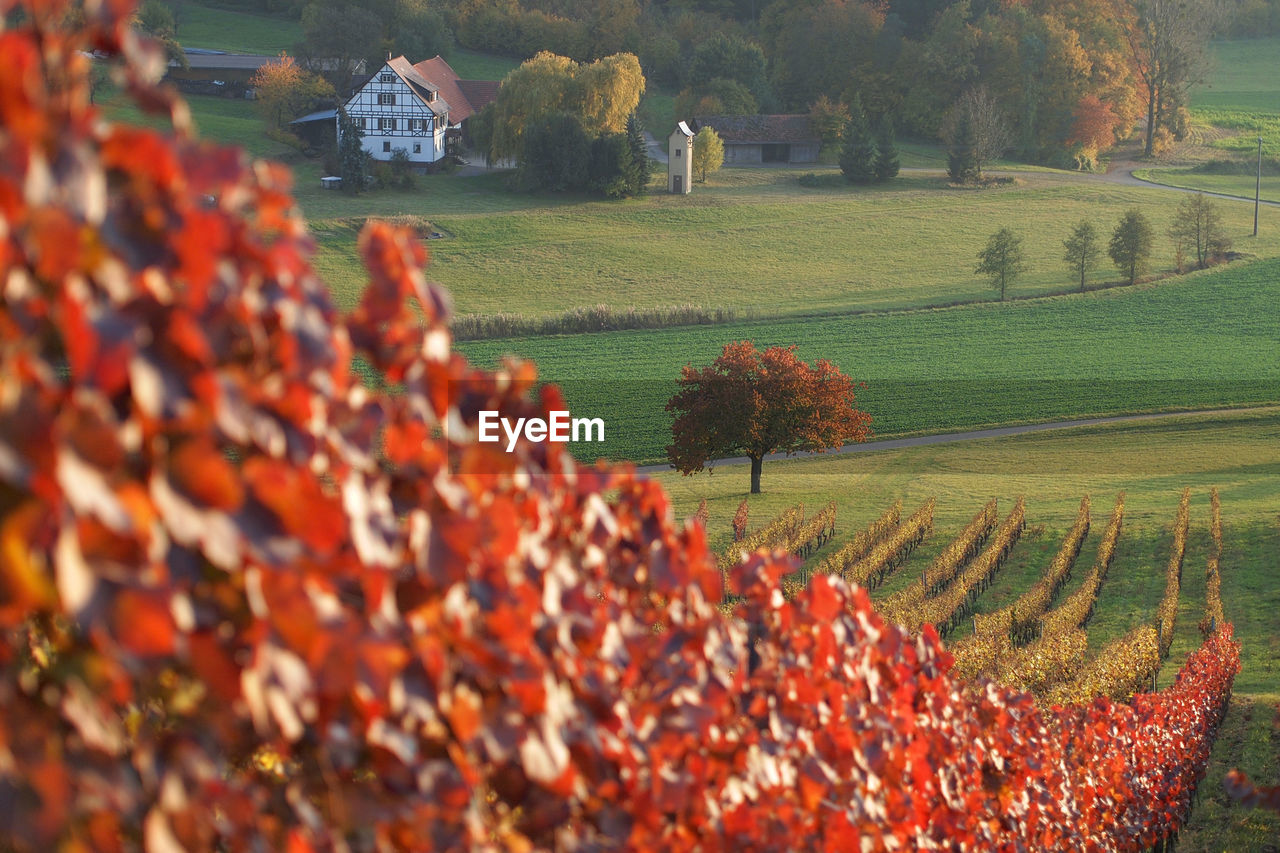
(601, 95)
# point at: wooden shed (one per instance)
(759, 139)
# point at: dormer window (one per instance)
(431, 96)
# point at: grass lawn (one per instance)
(471, 65)
(1242, 76)
(1237, 185)
(1238, 454)
(733, 241)
(1206, 339)
(229, 121)
(235, 31)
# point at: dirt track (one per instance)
(972, 435)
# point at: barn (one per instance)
(762, 139)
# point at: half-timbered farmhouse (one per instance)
(413, 107)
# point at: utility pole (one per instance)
(1257, 189)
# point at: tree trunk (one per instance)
(1151, 119)
(757, 463)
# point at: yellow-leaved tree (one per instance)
(600, 95)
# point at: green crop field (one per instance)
(1152, 463)
(753, 240)
(1208, 339)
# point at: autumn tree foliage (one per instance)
(285, 90)
(600, 95)
(755, 403)
(248, 602)
(708, 152)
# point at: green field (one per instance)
(1208, 339)
(753, 240)
(1241, 97)
(1237, 185)
(1241, 77)
(1238, 454)
(235, 31)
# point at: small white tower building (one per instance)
(680, 160)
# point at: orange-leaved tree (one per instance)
(756, 403)
(284, 89)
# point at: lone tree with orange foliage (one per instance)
(285, 89)
(756, 403)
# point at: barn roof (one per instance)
(759, 129)
(445, 79)
(479, 93)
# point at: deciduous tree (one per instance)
(979, 130)
(756, 403)
(1197, 229)
(708, 152)
(284, 90)
(1002, 259)
(1130, 245)
(1167, 40)
(600, 95)
(336, 37)
(1082, 250)
(828, 119)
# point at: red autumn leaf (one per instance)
(141, 622)
(296, 499)
(199, 469)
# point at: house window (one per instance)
(387, 99)
(417, 148)
(386, 147)
(677, 152)
(386, 77)
(415, 124)
(388, 124)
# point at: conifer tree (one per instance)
(640, 168)
(858, 154)
(353, 160)
(886, 164)
(962, 154)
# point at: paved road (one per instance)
(972, 435)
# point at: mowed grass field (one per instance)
(233, 30)
(1202, 340)
(1236, 185)
(1151, 462)
(753, 240)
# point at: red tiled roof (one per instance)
(479, 93)
(445, 79)
(760, 129)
